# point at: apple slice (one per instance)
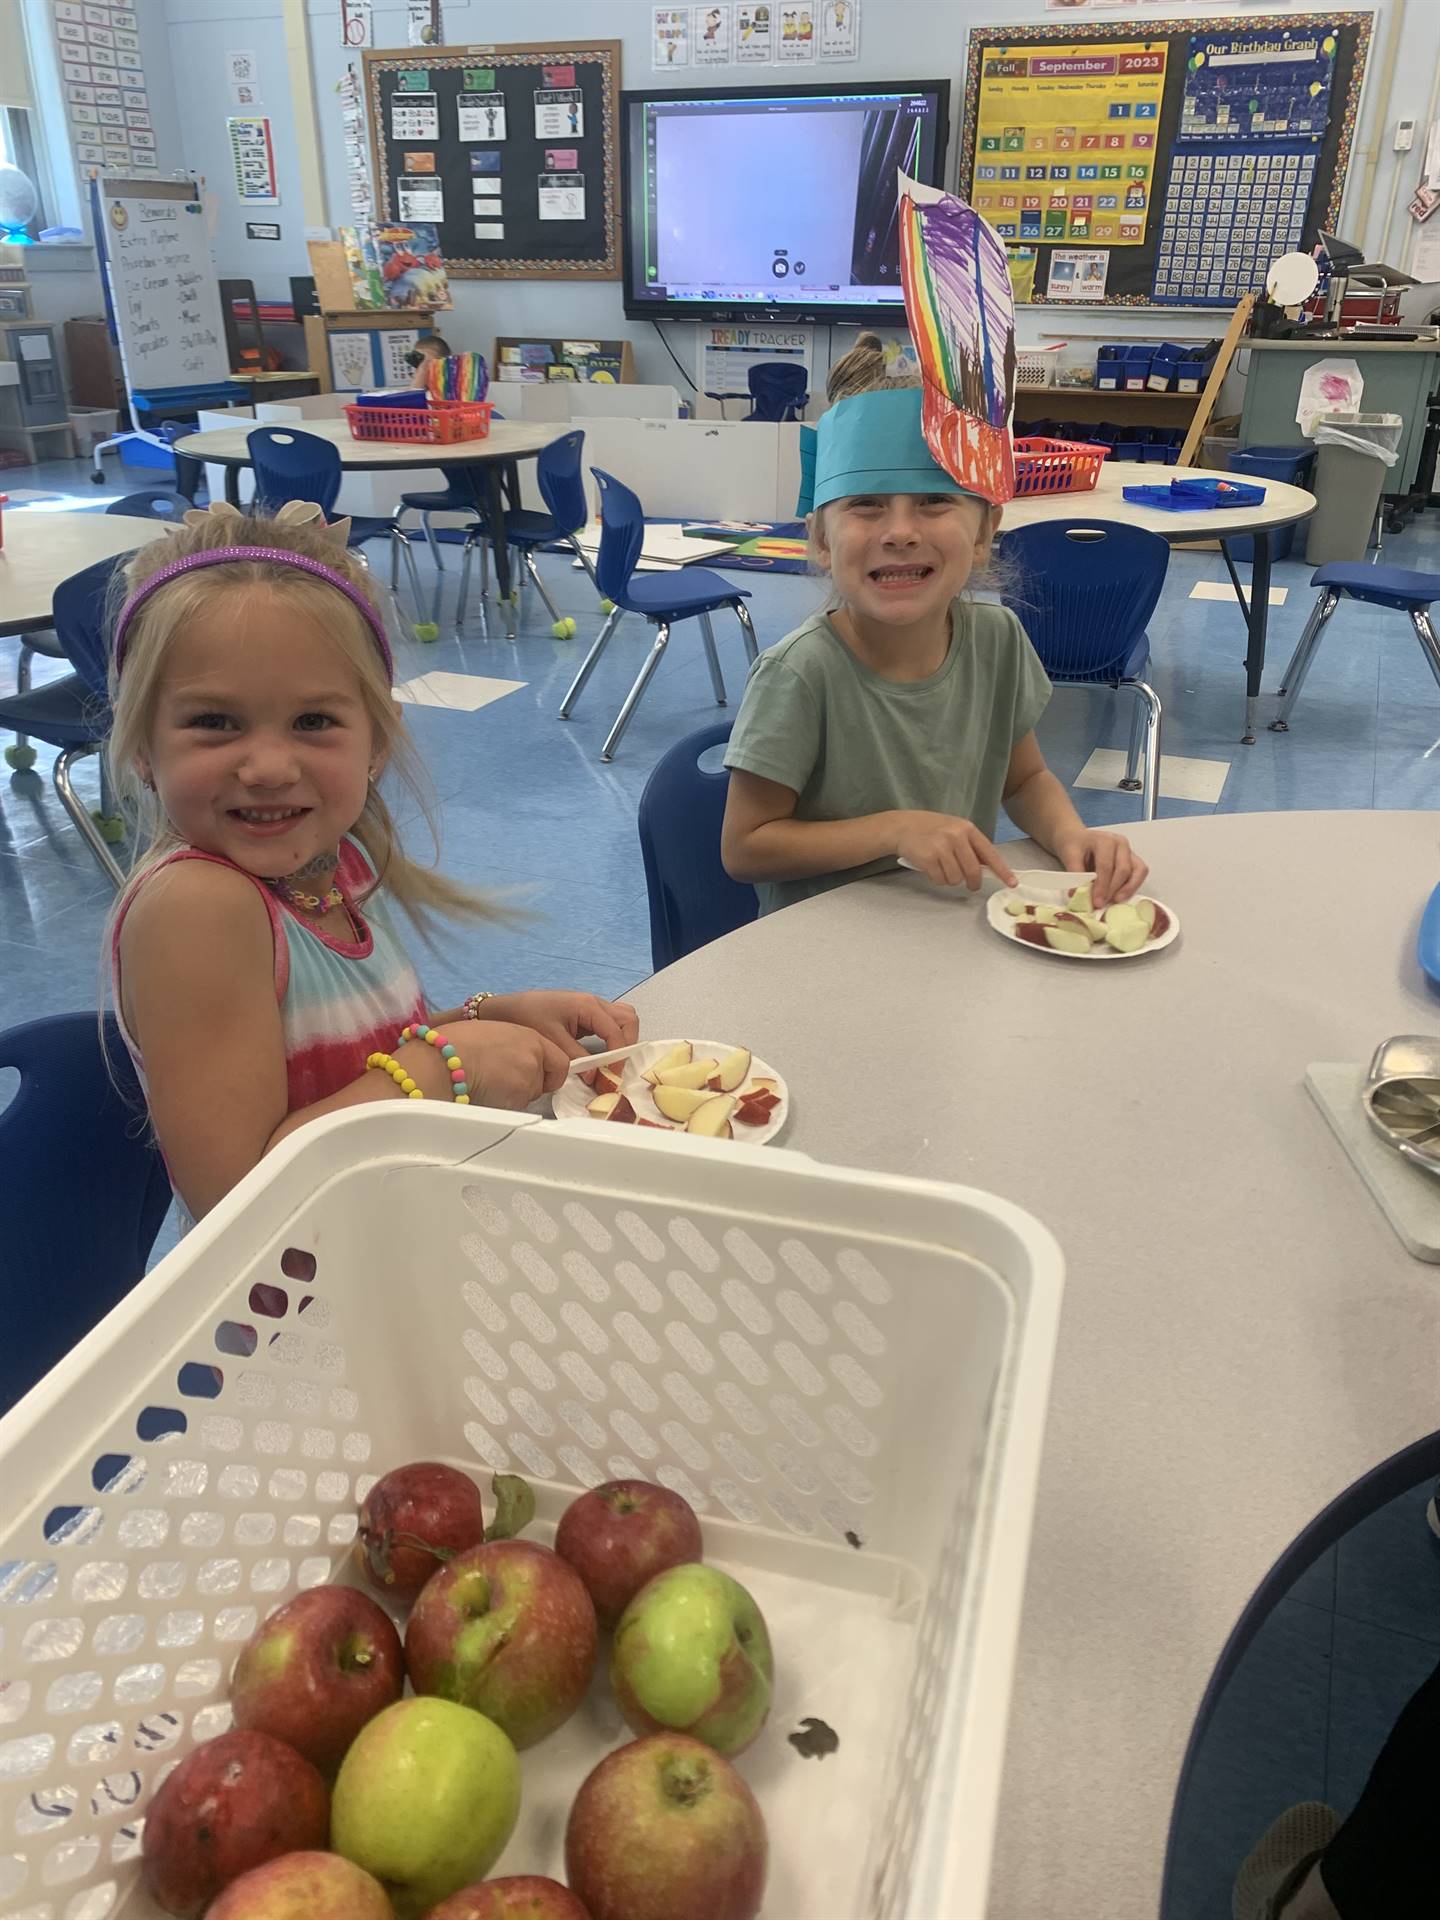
(732, 1070)
(1156, 919)
(607, 1078)
(697, 1074)
(1082, 898)
(589, 1079)
(679, 1055)
(1063, 939)
(1126, 936)
(712, 1120)
(611, 1106)
(659, 1125)
(1017, 907)
(678, 1103)
(753, 1113)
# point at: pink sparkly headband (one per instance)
(222, 556)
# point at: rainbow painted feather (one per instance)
(961, 311)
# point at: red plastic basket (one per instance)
(1056, 466)
(441, 423)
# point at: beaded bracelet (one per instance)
(397, 1073)
(474, 1004)
(459, 1091)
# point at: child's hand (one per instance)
(950, 851)
(505, 1065)
(562, 1018)
(1118, 869)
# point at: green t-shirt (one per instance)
(816, 720)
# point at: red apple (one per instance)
(522, 1896)
(618, 1536)
(414, 1519)
(317, 1670)
(238, 1801)
(665, 1829)
(304, 1886)
(508, 1629)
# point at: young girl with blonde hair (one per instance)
(259, 980)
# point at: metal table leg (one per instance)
(1258, 621)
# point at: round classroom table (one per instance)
(42, 549)
(1282, 506)
(506, 442)
(1242, 1335)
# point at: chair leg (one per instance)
(1303, 657)
(1425, 634)
(717, 679)
(527, 559)
(434, 545)
(395, 538)
(80, 814)
(633, 698)
(464, 592)
(584, 559)
(590, 662)
(412, 571)
(1148, 704)
(484, 569)
(1132, 782)
(747, 628)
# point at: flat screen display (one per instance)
(774, 202)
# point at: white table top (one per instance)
(1242, 1334)
(42, 549)
(506, 440)
(1282, 505)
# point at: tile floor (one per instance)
(524, 803)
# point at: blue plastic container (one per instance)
(1290, 464)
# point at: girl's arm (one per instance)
(197, 965)
(1040, 806)
(762, 840)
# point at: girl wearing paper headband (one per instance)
(891, 727)
(259, 980)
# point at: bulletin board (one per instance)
(510, 151)
(1160, 162)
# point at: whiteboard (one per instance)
(165, 295)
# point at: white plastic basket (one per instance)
(1035, 366)
(846, 1373)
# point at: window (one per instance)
(17, 149)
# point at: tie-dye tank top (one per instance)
(340, 1000)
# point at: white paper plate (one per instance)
(1052, 889)
(571, 1100)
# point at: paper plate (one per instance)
(1051, 890)
(571, 1100)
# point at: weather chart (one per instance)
(1067, 141)
(1253, 116)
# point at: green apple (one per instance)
(692, 1654)
(426, 1799)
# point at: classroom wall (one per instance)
(901, 39)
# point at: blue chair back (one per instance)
(562, 487)
(85, 1187)
(622, 535)
(1083, 591)
(692, 898)
(79, 608)
(293, 466)
(151, 503)
(777, 390)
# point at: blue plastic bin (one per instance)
(1290, 464)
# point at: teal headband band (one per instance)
(875, 443)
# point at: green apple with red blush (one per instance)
(692, 1654)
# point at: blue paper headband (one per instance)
(871, 443)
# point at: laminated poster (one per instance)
(669, 38)
(710, 35)
(962, 319)
(754, 35)
(840, 30)
(797, 34)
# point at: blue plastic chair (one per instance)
(1083, 591)
(301, 466)
(693, 900)
(152, 503)
(687, 593)
(778, 391)
(73, 713)
(1400, 588)
(562, 488)
(86, 1190)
